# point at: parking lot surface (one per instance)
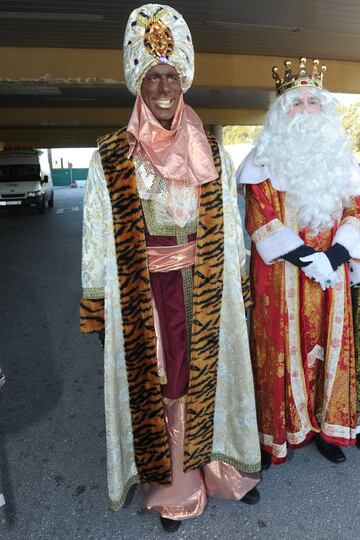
(52, 434)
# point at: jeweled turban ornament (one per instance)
(158, 38)
(157, 35)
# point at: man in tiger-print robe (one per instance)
(303, 214)
(162, 274)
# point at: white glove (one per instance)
(330, 281)
(319, 269)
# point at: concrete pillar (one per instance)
(50, 158)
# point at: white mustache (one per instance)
(304, 122)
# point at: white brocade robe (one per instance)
(235, 437)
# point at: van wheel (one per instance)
(51, 201)
(42, 207)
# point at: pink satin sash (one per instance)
(168, 258)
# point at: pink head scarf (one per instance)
(182, 153)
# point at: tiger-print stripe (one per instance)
(150, 440)
(151, 449)
(91, 316)
(246, 291)
(207, 298)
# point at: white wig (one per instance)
(311, 152)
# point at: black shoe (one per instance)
(265, 460)
(358, 440)
(252, 497)
(169, 525)
(330, 451)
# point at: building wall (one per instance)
(63, 177)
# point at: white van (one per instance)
(25, 179)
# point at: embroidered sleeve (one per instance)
(261, 219)
(272, 238)
(228, 175)
(93, 253)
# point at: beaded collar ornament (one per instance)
(158, 38)
(302, 78)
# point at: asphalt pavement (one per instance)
(52, 433)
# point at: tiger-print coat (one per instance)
(117, 297)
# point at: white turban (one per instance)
(157, 34)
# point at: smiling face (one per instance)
(161, 91)
(304, 101)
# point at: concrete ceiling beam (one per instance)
(212, 70)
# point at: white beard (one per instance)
(311, 153)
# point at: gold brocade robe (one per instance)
(302, 341)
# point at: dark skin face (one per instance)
(161, 91)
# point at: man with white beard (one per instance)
(302, 188)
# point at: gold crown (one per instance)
(291, 80)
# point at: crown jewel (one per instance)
(302, 78)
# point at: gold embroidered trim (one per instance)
(353, 221)
(267, 230)
(158, 229)
(187, 278)
(298, 384)
(355, 300)
(93, 293)
(169, 402)
(239, 465)
(119, 503)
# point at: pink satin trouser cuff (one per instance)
(187, 495)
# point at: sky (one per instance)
(347, 99)
(79, 157)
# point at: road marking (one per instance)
(72, 209)
(2, 500)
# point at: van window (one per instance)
(17, 173)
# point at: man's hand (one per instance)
(331, 281)
(319, 269)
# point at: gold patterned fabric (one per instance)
(301, 340)
(355, 297)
